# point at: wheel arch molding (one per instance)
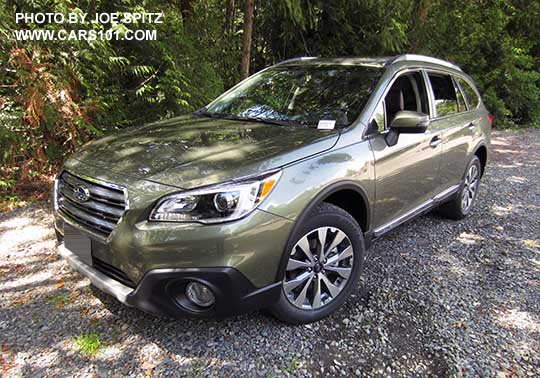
(482, 152)
(323, 195)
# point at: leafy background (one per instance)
(56, 95)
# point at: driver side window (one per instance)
(408, 92)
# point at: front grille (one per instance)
(112, 272)
(100, 207)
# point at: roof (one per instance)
(370, 61)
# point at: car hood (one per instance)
(188, 152)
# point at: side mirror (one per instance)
(406, 121)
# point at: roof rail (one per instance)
(424, 58)
(300, 58)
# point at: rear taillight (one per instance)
(490, 119)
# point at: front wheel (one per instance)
(463, 204)
(324, 261)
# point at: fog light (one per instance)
(200, 294)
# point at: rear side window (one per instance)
(446, 102)
(470, 94)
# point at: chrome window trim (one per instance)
(457, 88)
(431, 96)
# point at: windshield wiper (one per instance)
(272, 121)
(204, 113)
(201, 111)
(281, 122)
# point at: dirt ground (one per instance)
(438, 298)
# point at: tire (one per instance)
(460, 207)
(314, 286)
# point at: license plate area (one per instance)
(78, 243)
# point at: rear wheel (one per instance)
(463, 204)
(324, 261)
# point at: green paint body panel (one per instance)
(190, 152)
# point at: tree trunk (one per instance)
(422, 13)
(186, 8)
(246, 44)
(229, 16)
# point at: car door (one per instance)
(406, 173)
(458, 126)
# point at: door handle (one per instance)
(435, 142)
(472, 126)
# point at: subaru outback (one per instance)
(269, 196)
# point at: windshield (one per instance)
(300, 95)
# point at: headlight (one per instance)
(220, 203)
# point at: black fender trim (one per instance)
(480, 144)
(319, 198)
(475, 150)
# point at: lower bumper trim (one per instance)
(162, 291)
(100, 280)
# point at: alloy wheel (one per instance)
(318, 269)
(470, 187)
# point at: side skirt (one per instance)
(417, 211)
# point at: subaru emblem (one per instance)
(82, 194)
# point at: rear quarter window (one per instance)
(470, 94)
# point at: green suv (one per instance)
(269, 196)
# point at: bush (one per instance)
(56, 95)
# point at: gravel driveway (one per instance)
(439, 298)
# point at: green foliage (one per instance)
(497, 43)
(54, 95)
(87, 344)
(58, 94)
(333, 28)
(294, 365)
(59, 300)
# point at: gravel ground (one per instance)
(439, 298)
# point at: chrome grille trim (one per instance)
(101, 212)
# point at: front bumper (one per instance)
(253, 245)
(162, 291)
(148, 264)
